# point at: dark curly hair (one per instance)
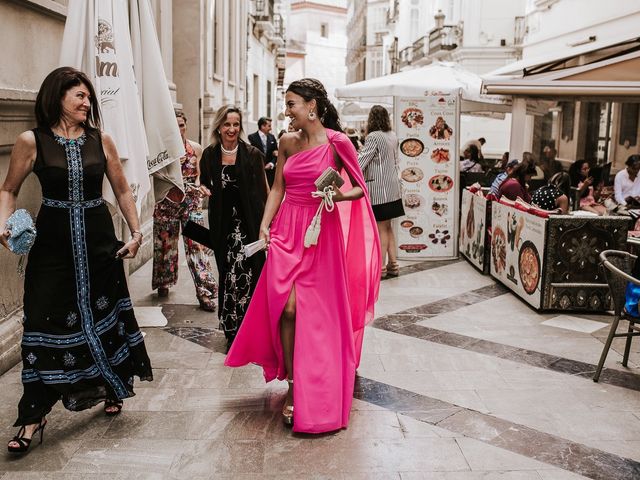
(312, 89)
(378, 119)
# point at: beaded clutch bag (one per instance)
(328, 178)
(23, 232)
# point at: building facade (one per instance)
(226, 52)
(316, 42)
(215, 52)
(393, 35)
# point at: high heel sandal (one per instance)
(383, 273)
(287, 410)
(116, 405)
(25, 443)
(393, 269)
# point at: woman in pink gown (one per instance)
(307, 316)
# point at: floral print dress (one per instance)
(168, 218)
(237, 279)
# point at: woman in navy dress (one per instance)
(81, 342)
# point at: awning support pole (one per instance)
(518, 140)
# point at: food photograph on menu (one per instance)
(412, 147)
(412, 117)
(441, 183)
(441, 130)
(440, 155)
(412, 174)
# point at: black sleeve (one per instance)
(205, 167)
(257, 165)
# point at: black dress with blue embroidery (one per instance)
(81, 341)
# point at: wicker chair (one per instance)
(617, 266)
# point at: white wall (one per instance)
(324, 57)
(569, 21)
(260, 61)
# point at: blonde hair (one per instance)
(219, 119)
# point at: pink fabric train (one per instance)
(336, 285)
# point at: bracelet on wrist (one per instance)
(137, 240)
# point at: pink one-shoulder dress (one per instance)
(336, 284)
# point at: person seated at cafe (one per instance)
(539, 175)
(516, 184)
(552, 196)
(588, 187)
(626, 184)
(548, 163)
(502, 176)
(470, 161)
(502, 163)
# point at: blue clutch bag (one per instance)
(23, 232)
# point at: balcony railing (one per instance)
(420, 48)
(405, 56)
(444, 39)
(268, 23)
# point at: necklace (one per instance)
(233, 151)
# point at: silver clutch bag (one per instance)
(328, 178)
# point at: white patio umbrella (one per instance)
(115, 43)
(417, 82)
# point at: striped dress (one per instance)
(378, 160)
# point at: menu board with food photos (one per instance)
(427, 129)
(517, 251)
(473, 241)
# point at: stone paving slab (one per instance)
(201, 420)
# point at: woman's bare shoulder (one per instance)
(26, 139)
(290, 143)
(25, 146)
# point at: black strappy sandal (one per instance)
(115, 404)
(25, 443)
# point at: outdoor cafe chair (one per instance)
(617, 266)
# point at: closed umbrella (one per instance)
(114, 42)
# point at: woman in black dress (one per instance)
(233, 171)
(81, 342)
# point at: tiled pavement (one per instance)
(459, 380)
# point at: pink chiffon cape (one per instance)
(336, 285)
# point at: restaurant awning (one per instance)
(609, 73)
(419, 81)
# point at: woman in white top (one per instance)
(626, 183)
(378, 160)
(470, 161)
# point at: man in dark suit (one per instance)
(264, 141)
